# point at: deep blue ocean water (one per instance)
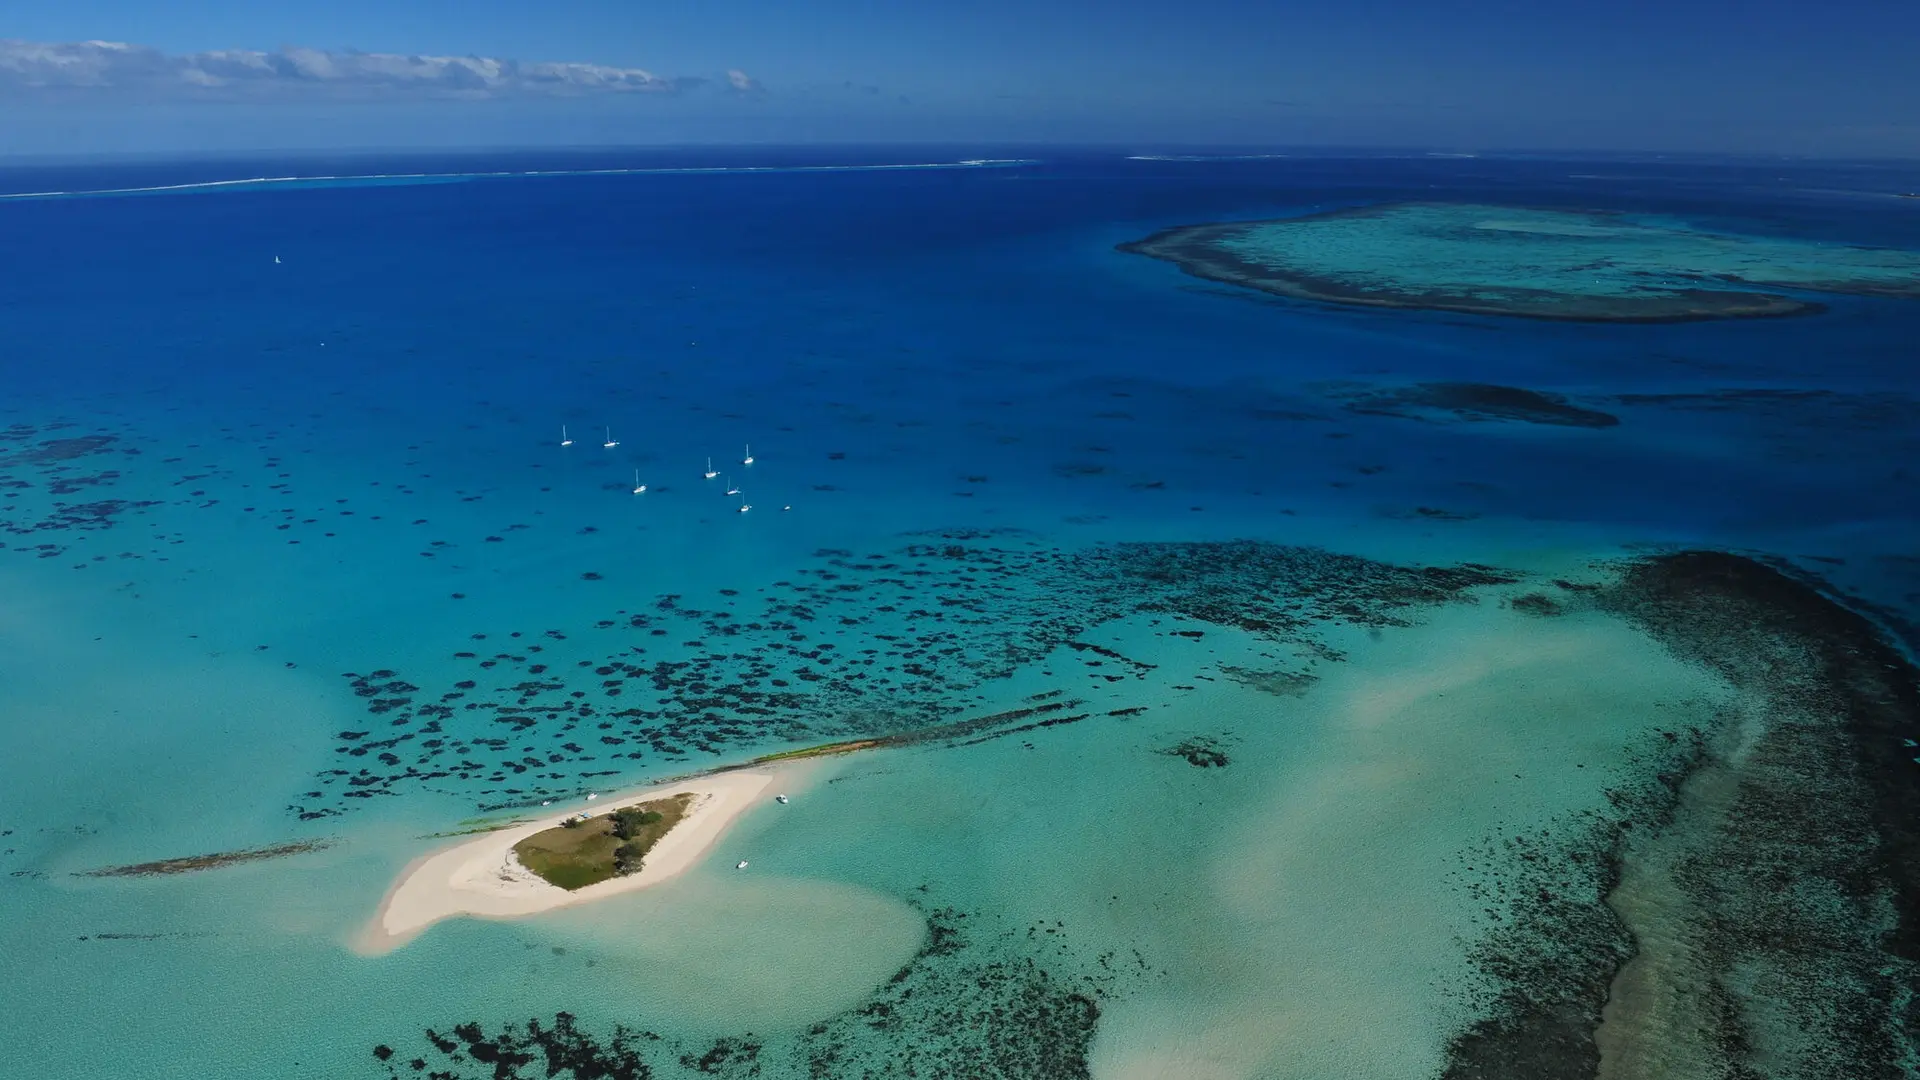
(347, 460)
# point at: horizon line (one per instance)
(1253, 151)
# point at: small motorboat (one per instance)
(781, 799)
(741, 865)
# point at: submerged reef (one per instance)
(1469, 401)
(1541, 264)
(1752, 907)
(886, 645)
(33, 473)
(557, 1049)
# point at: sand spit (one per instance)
(480, 877)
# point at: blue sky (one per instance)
(1762, 76)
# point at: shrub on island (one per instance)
(586, 851)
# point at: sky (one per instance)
(1720, 76)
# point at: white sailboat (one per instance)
(744, 507)
(565, 439)
(276, 260)
(710, 474)
(611, 441)
(749, 458)
(731, 490)
(638, 487)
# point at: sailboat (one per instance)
(744, 507)
(611, 441)
(710, 474)
(731, 490)
(749, 459)
(276, 260)
(638, 487)
(565, 439)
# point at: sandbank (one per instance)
(481, 877)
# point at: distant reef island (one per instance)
(1586, 266)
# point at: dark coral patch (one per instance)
(870, 645)
(1200, 752)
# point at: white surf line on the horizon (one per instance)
(1206, 157)
(269, 181)
(480, 877)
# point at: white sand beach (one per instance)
(481, 877)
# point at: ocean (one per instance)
(1272, 746)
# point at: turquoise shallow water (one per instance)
(971, 412)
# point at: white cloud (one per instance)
(93, 69)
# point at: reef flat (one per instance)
(1540, 264)
(1752, 908)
